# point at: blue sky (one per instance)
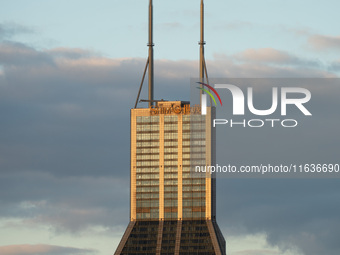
(118, 29)
(69, 74)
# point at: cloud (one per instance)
(256, 252)
(8, 30)
(18, 54)
(66, 205)
(335, 66)
(232, 66)
(71, 53)
(62, 97)
(324, 42)
(27, 249)
(68, 102)
(64, 152)
(293, 214)
(273, 56)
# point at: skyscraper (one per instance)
(172, 210)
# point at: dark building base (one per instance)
(201, 237)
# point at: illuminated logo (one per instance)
(175, 109)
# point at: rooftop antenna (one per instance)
(202, 43)
(149, 63)
(150, 44)
(202, 65)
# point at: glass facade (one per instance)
(194, 195)
(147, 167)
(172, 208)
(152, 132)
(194, 238)
(170, 167)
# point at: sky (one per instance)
(69, 75)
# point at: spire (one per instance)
(202, 43)
(202, 67)
(150, 60)
(203, 73)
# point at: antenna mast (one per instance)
(150, 44)
(202, 43)
(202, 65)
(149, 62)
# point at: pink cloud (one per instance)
(324, 42)
(28, 249)
(268, 55)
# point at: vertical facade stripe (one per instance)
(161, 167)
(180, 165)
(159, 238)
(208, 163)
(133, 167)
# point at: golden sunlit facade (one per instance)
(172, 209)
(162, 187)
